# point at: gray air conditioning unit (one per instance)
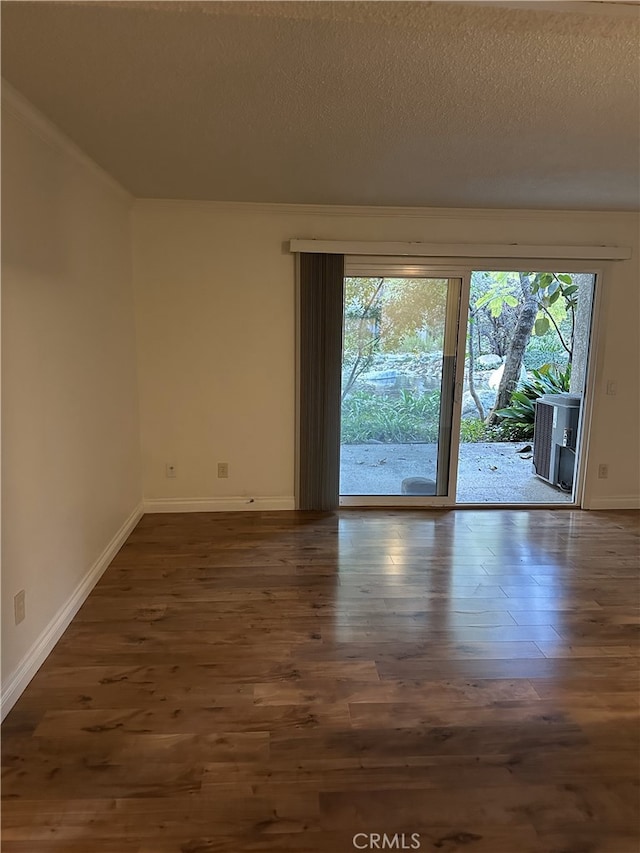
(555, 435)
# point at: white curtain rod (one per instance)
(462, 250)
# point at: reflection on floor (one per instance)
(280, 682)
(487, 472)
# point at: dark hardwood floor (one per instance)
(282, 681)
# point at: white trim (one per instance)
(485, 214)
(16, 683)
(397, 501)
(520, 505)
(463, 326)
(358, 266)
(616, 502)
(21, 108)
(231, 504)
(583, 488)
(462, 250)
(447, 442)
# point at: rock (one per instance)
(469, 408)
(386, 376)
(418, 486)
(496, 376)
(488, 362)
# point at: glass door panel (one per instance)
(400, 338)
(535, 329)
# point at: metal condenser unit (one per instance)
(555, 438)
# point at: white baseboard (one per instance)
(231, 504)
(36, 656)
(617, 502)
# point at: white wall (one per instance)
(214, 289)
(70, 427)
(215, 314)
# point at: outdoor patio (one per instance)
(488, 472)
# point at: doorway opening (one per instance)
(461, 385)
(528, 336)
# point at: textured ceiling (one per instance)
(443, 104)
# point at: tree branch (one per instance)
(555, 326)
(472, 387)
(362, 357)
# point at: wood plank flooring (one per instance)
(283, 681)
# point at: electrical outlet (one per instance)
(19, 606)
(170, 471)
(223, 470)
(603, 472)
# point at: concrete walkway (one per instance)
(487, 472)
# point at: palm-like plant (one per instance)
(518, 418)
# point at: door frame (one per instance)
(594, 371)
(455, 334)
(461, 268)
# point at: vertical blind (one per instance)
(321, 288)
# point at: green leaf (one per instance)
(568, 291)
(521, 398)
(565, 279)
(511, 301)
(554, 297)
(496, 306)
(542, 326)
(545, 279)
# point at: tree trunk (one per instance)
(515, 351)
(472, 387)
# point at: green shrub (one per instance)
(544, 350)
(473, 430)
(413, 342)
(407, 418)
(516, 420)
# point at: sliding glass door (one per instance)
(402, 343)
(404, 399)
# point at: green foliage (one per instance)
(373, 417)
(551, 286)
(545, 350)
(557, 299)
(518, 417)
(473, 430)
(549, 379)
(516, 420)
(417, 342)
(496, 299)
(507, 431)
(542, 326)
(493, 309)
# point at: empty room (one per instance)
(320, 427)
